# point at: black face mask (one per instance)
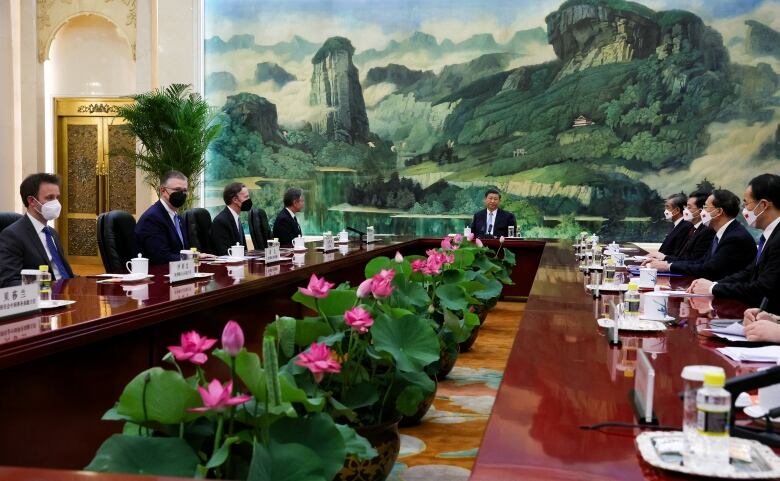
(246, 206)
(177, 199)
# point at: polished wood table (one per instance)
(62, 369)
(562, 374)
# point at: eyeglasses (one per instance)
(183, 191)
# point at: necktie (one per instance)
(714, 246)
(177, 225)
(490, 223)
(761, 241)
(55, 254)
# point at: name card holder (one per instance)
(272, 270)
(370, 236)
(19, 300)
(272, 254)
(180, 292)
(642, 395)
(181, 270)
(328, 243)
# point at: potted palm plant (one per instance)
(174, 127)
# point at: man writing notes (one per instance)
(673, 212)
(29, 242)
(160, 233)
(730, 250)
(760, 279)
(226, 230)
(286, 226)
(492, 222)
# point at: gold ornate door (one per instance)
(95, 179)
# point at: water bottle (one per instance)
(195, 258)
(693, 380)
(632, 302)
(44, 281)
(598, 256)
(609, 271)
(713, 406)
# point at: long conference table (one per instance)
(67, 367)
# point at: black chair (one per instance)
(8, 218)
(116, 240)
(258, 228)
(198, 222)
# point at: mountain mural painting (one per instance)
(584, 119)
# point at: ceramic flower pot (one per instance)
(422, 410)
(447, 358)
(387, 442)
(466, 345)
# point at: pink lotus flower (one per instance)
(398, 257)
(501, 240)
(381, 287)
(458, 238)
(317, 288)
(358, 319)
(217, 397)
(446, 244)
(364, 289)
(470, 237)
(232, 338)
(192, 348)
(479, 243)
(385, 274)
(318, 359)
(418, 265)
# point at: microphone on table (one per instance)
(360, 233)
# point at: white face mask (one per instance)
(706, 218)
(667, 214)
(50, 210)
(751, 217)
(687, 215)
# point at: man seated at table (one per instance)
(699, 238)
(761, 326)
(286, 226)
(493, 221)
(673, 212)
(760, 279)
(160, 233)
(226, 230)
(29, 242)
(730, 250)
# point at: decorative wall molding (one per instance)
(53, 14)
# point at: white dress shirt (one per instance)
(237, 221)
(678, 221)
(722, 230)
(170, 211)
(770, 228)
(39, 229)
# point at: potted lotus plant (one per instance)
(258, 425)
(367, 351)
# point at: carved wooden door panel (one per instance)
(95, 176)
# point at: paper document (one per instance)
(752, 354)
(731, 332)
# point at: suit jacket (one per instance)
(696, 246)
(156, 237)
(286, 228)
(736, 250)
(503, 220)
(676, 238)
(225, 233)
(759, 279)
(21, 248)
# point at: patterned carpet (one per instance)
(445, 444)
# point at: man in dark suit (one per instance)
(286, 226)
(699, 239)
(226, 230)
(673, 212)
(160, 234)
(29, 242)
(492, 222)
(731, 249)
(760, 279)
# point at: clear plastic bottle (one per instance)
(598, 256)
(44, 280)
(713, 406)
(609, 271)
(195, 258)
(632, 299)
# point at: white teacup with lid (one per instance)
(138, 265)
(299, 244)
(236, 251)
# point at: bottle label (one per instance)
(711, 423)
(632, 306)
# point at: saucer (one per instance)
(632, 325)
(665, 319)
(756, 411)
(608, 287)
(54, 303)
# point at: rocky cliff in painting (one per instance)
(335, 88)
(255, 114)
(762, 40)
(265, 71)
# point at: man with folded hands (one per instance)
(730, 250)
